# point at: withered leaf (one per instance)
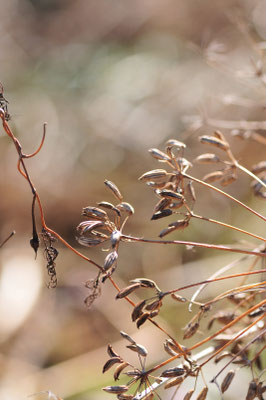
(127, 290)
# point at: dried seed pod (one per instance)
(126, 207)
(207, 158)
(112, 361)
(203, 394)
(178, 298)
(258, 168)
(155, 305)
(228, 179)
(166, 231)
(127, 337)
(89, 242)
(189, 394)
(191, 191)
(145, 282)
(214, 141)
(258, 312)
(142, 319)
(154, 175)
(174, 382)
(159, 155)
(213, 176)
(154, 313)
(115, 238)
(149, 396)
(135, 373)
(161, 214)
(161, 205)
(94, 212)
(190, 330)
(111, 351)
(109, 206)
(116, 389)
(227, 380)
(137, 310)
(252, 391)
(221, 356)
(110, 260)
(127, 290)
(87, 226)
(168, 349)
(125, 397)
(175, 143)
(119, 369)
(173, 372)
(180, 224)
(114, 189)
(170, 194)
(138, 348)
(258, 188)
(177, 204)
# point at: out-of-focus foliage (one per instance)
(111, 79)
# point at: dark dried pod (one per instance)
(190, 330)
(175, 143)
(127, 290)
(221, 356)
(111, 351)
(258, 168)
(159, 155)
(138, 348)
(135, 373)
(94, 212)
(126, 207)
(155, 305)
(228, 179)
(89, 242)
(109, 206)
(173, 372)
(258, 312)
(189, 394)
(114, 189)
(112, 361)
(125, 397)
(214, 141)
(154, 313)
(180, 224)
(154, 175)
(115, 238)
(116, 389)
(161, 214)
(213, 176)
(174, 382)
(252, 391)
(225, 317)
(127, 337)
(227, 380)
(110, 260)
(178, 298)
(166, 231)
(207, 158)
(137, 310)
(142, 319)
(145, 282)
(170, 194)
(119, 369)
(168, 349)
(203, 394)
(161, 205)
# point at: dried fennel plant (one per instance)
(236, 334)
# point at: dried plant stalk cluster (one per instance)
(232, 322)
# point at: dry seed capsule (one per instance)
(159, 155)
(174, 382)
(145, 282)
(260, 167)
(189, 394)
(170, 194)
(110, 363)
(114, 189)
(115, 238)
(119, 369)
(228, 179)
(111, 351)
(180, 224)
(213, 176)
(127, 290)
(89, 242)
(110, 260)
(94, 212)
(109, 206)
(126, 207)
(203, 394)
(207, 158)
(173, 372)
(154, 175)
(191, 330)
(252, 391)
(214, 141)
(179, 298)
(137, 310)
(138, 348)
(142, 319)
(127, 337)
(155, 305)
(227, 381)
(175, 143)
(161, 214)
(161, 205)
(219, 357)
(87, 226)
(166, 231)
(125, 397)
(116, 389)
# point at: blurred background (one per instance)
(113, 78)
